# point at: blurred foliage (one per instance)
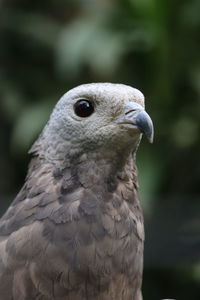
(48, 47)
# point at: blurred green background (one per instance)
(50, 46)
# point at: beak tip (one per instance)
(145, 124)
(150, 139)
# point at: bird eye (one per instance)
(83, 108)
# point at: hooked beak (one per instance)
(136, 116)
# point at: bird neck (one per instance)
(93, 172)
(93, 164)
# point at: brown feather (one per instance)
(63, 242)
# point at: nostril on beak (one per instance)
(128, 112)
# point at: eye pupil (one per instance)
(83, 108)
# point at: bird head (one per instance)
(98, 117)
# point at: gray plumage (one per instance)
(75, 230)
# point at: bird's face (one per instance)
(98, 117)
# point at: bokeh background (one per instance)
(50, 46)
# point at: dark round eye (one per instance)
(83, 108)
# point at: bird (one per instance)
(75, 230)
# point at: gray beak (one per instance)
(136, 116)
